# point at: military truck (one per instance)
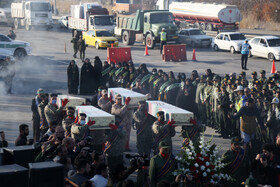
(145, 26)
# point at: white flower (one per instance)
(202, 168)
(207, 163)
(202, 158)
(208, 170)
(204, 174)
(212, 181)
(190, 153)
(196, 165)
(188, 150)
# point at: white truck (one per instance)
(206, 16)
(32, 14)
(89, 16)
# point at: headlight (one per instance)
(27, 44)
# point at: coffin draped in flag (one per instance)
(73, 101)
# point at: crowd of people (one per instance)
(247, 111)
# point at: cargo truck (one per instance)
(32, 14)
(89, 16)
(145, 26)
(218, 17)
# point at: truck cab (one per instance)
(101, 22)
(37, 14)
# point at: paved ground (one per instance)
(46, 68)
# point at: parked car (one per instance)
(266, 47)
(100, 38)
(63, 22)
(194, 37)
(230, 41)
(18, 48)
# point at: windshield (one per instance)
(237, 37)
(40, 6)
(196, 32)
(274, 42)
(103, 33)
(161, 18)
(106, 20)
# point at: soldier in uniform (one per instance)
(144, 131)
(75, 45)
(156, 84)
(52, 112)
(214, 101)
(105, 103)
(162, 86)
(125, 114)
(41, 110)
(206, 101)
(237, 163)
(254, 76)
(262, 78)
(80, 130)
(36, 117)
(82, 47)
(162, 131)
(162, 165)
(68, 121)
(272, 123)
(224, 106)
(114, 146)
(152, 79)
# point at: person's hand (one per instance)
(90, 123)
(113, 127)
(231, 106)
(127, 100)
(171, 123)
(258, 157)
(2, 136)
(178, 178)
(219, 107)
(64, 102)
(265, 124)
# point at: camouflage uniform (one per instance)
(52, 112)
(144, 132)
(67, 124)
(160, 128)
(43, 121)
(126, 115)
(79, 132)
(198, 100)
(105, 105)
(207, 94)
(115, 147)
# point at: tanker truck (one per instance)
(217, 17)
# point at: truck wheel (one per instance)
(232, 50)
(202, 26)
(20, 54)
(131, 38)
(209, 27)
(149, 41)
(16, 24)
(196, 25)
(125, 38)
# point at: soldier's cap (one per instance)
(242, 73)
(163, 144)
(254, 73)
(275, 101)
(252, 182)
(70, 108)
(154, 70)
(142, 102)
(53, 95)
(159, 113)
(103, 92)
(239, 88)
(236, 139)
(40, 91)
(82, 114)
(262, 72)
(118, 96)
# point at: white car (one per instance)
(266, 47)
(19, 49)
(194, 37)
(63, 22)
(230, 41)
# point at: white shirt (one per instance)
(99, 181)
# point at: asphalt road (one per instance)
(52, 51)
